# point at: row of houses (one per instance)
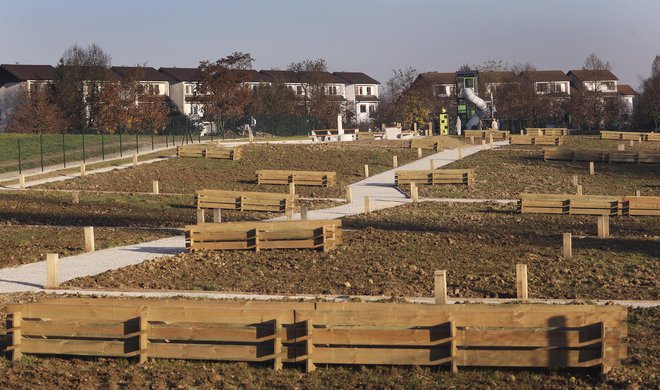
(542, 82)
(357, 90)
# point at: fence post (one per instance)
(579, 189)
(638, 193)
(83, 145)
(603, 226)
(41, 150)
(137, 143)
(483, 144)
(200, 216)
(472, 140)
(292, 188)
(143, 337)
(521, 282)
(20, 168)
(21, 181)
(217, 215)
(83, 171)
(621, 147)
(395, 161)
(16, 335)
(64, 149)
(89, 239)
(135, 160)
(349, 195)
(52, 271)
(303, 213)
(155, 187)
(432, 164)
(152, 141)
(121, 149)
(419, 152)
(567, 246)
(367, 204)
(491, 141)
(75, 197)
(277, 345)
(309, 363)
(460, 153)
(575, 180)
(591, 168)
(366, 170)
(440, 279)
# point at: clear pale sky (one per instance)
(372, 36)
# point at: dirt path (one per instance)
(380, 188)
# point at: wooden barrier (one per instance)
(611, 156)
(325, 235)
(624, 135)
(302, 178)
(502, 135)
(549, 131)
(312, 333)
(245, 201)
(435, 176)
(427, 143)
(209, 151)
(536, 140)
(589, 204)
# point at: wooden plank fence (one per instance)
(301, 178)
(209, 151)
(589, 204)
(245, 201)
(313, 333)
(626, 136)
(611, 156)
(500, 135)
(536, 140)
(321, 234)
(435, 176)
(550, 131)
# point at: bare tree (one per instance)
(316, 100)
(593, 62)
(647, 109)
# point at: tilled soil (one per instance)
(395, 252)
(639, 371)
(505, 173)
(185, 175)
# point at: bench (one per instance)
(550, 131)
(301, 178)
(427, 143)
(209, 151)
(612, 156)
(485, 134)
(653, 137)
(323, 234)
(435, 176)
(624, 135)
(551, 140)
(245, 201)
(573, 204)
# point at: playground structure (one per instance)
(472, 109)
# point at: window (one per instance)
(194, 110)
(363, 108)
(156, 89)
(299, 90)
(190, 89)
(608, 86)
(469, 83)
(541, 87)
(368, 90)
(360, 91)
(371, 109)
(332, 90)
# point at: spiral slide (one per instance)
(480, 104)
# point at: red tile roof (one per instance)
(625, 89)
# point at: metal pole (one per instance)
(120, 148)
(167, 142)
(102, 147)
(41, 148)
(83, 144)
(137, 144)
(64, 150)
(20, 169)
(152, 140)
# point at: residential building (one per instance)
(303, 83)
(183, 84)
(13, 77)
(154, 82)
(362, 94)
(593, 80)
(627, 94)
(443, 84)
(498, 82)
(547, 81)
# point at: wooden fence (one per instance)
(311, 333)
(209, 151)
(322, 234)
(626, 136)
(589, 204)
(612, 156)
(554, 131)
(301, 178)
(536, 140)
(245, 201)
(435, 176)
(427, 143)
(501, 135)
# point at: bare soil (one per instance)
(395, 252)
(506, 172)
(32, 372)
(185, 175)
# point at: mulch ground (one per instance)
(506, 172)
(395, 252)
(32, 372)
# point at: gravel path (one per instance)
(380, 188)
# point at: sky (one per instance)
(370, 36)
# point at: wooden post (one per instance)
(567, 246)
(440, 287)
(155, 187)
(309, 363)
(432, 164)
(603, 226)
(395, 161)
(412, 191)
(579, 189)
(453, 346)
(632, 143)
(303, 213)
(289, 214)
(292, 188)
(75, 197)
(52, 271)
(143, 338)
(82, 170)
(349, 195)
(366, 170)
(491, 141)
(416, 196)
(575, 180)
(621, 147)
(135, 159)
(430, 130)
(21, 181)
(16, 335)
(415, 127)
(591, 168)
(638, 193)
(367, 204)
(472, 140)
(521, 282)
(200, 216)
(217, 215)
(460, 153)
(483, 144)
(419, 152)
(277, 345)
(217, 142)
(89, 239)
